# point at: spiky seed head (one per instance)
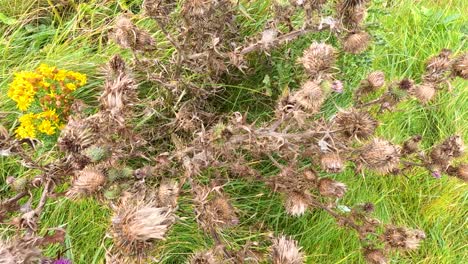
(19, 251)
(286, 251)
(87, 181)
(204, 257)
(406, 84)
(356, 124)
(318, 59)
(75, 137)
(354, 3)
(128, 36)
(411, 145)
(196, 8)
(168, 193)
(310, 97)
(375, 256)
(376, 79)
(221, 212)
(460, 171)
(356, 43)
(403, 238)
(296, 204)
(119, 173)
(460, 66)
(331, 188)
(381, 156)
(18, 184)
(452, 147)
(136, 225)
(424, 92)
(331, 162)
(97, 153)
(310, 175)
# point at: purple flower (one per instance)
(436, 174)
(62, 261)
(337, 86)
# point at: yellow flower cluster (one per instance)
(46, 88)
(46, 122)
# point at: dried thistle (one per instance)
(310, 97)
(21, 250)
(403, 238)
(460, 171)
(168, 193)
(460, 66)
(286, 251)
(296, 204)
(381, 156)
(87, 181)
(129, 36)
(411, 145)
(356, 124)
(204, 257)
(437, 67)
(376, 79)
(331, 162)
(443, 153)
(423, 92)
(135, 225)
(356, 43)
(375, 256)
(76, 136)
(331, 188)
(406, 84)
(318, 59)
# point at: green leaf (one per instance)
(7, 20)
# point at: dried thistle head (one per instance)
(318, 59)
(136, 224)
(87, 181)
(296, 204)
(129, 36)
(158, 8)
(22, 250)
(204, 257)
(310, 97)
(356, 124)
(460, 171)
(352, 15)
(460, 66)
(381, 156)
(406, 84)
(411, 145)
(76, 136)
(452, 147)
(437, 66)
(357, 42)
(331, 162)
(331, 188)
(376, 79)
(220, 213)
(168, 193)
(196, 8)
(403, 238)
(424, 92)
(286, 251)
(375, 256)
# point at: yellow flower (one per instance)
(46, 127)
(26, 128)
(46, 71)
(22, 91)
(61, 75)
(70, 86)
(80, 78)
(49, 115)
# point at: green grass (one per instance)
(405, 33)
